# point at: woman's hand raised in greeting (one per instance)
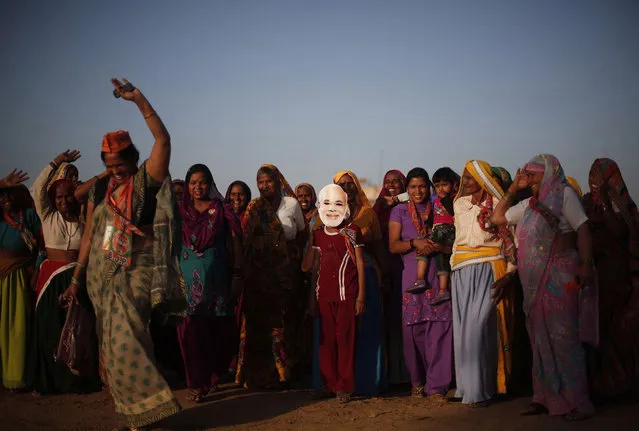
(15, 178)
(520, 182)
(69, 156)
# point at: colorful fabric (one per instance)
(614, 224)
(118, 238)
(268, 280)
(44, 373)
(441, 214)
(482, 173)
(200, 230)
(124, 296)
(503, 177)
(575, 185)
(20, 224)
(551, 307)
(426, 330)
(14, 320)
(115, 142)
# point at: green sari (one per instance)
(124, 297)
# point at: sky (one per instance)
(319, 86)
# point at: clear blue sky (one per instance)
(319, 86)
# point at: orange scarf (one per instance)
(118, 241)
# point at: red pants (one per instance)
(337, 345)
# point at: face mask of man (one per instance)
(332, 205)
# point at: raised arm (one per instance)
(82, 191)
(41, 184)
(499, 214)
(158, 163)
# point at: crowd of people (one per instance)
(479, 282)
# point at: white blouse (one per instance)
(291, 217)
(58, 233)
(572, 212)
(467, 229)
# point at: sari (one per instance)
(483, 352)
(18, 236)
(614, 226)
(370, 361)
(124, 297)
(45, 374)
(397, 371)
(204, 261)
(268, 283)
(552, 299)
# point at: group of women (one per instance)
(544, 281)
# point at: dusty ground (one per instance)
(234, 409)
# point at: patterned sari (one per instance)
(614, 225)
(552, 300)
(124, 297)
(268, 282)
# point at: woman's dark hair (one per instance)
(199, 167)
(446, 174)
(264, 170)
(129, 154)
(419, 173)
(20, 196)
(245, 188)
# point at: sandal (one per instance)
(344, 397)
(534, 409)
(418, 288)
(577, 416)
(444, 297)
(417, 392)
(480, 405)
(437, 399)
(196, 396)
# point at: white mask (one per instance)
(332, 205)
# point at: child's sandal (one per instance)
(344, 397)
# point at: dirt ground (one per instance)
(235, 409)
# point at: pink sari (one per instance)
(553, 302)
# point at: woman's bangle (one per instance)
(81, 265)
(412, 244)
(146, 117)
(74, 281)
(53, 165)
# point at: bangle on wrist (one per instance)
(53, 165)
(412, 244)
(146, 117)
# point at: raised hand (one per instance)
(520, 182)
(15, 178)
(125, 89)
(69, 156)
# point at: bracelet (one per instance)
(412, 244)
(146, 117)
(74, 281)
(81, 265)
(53, 164)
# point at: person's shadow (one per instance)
(236, 408)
